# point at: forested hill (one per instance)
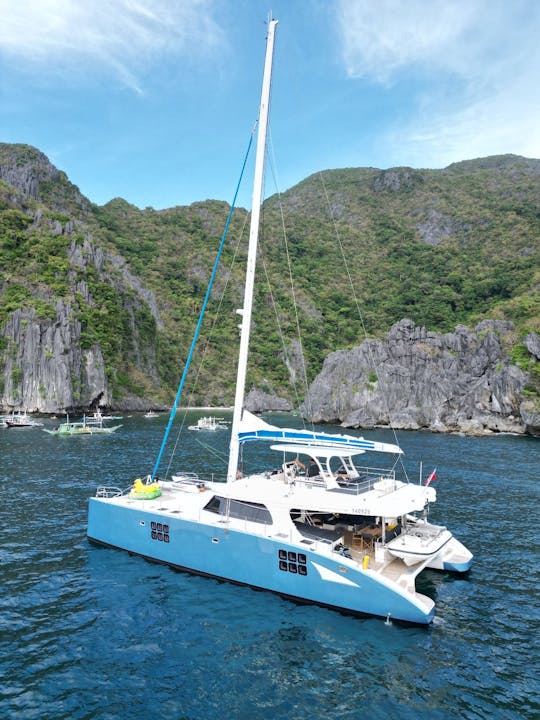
(98, 304)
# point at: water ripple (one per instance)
(88, 633)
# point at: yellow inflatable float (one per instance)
(145, 490)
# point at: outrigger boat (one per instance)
(86, 426)
(335, 534)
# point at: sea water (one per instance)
(94, 633)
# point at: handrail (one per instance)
(106, 491)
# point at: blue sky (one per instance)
(154, 100)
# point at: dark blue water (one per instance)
(87, 632)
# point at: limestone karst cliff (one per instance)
(414, 379)
(98, 304)
(64, 295)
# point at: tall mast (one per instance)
(245, 312)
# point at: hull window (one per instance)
(254, 512)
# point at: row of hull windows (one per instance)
(160, 531)
(292, 568)
(292, 556)
(162, 537)
(292, 562)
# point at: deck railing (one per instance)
(108, 491)
(367, 477)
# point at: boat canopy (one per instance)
(254, 428)
(320, 451)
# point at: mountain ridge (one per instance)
(441, 247)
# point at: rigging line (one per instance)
(216, 316)
(279, 327)
(355, 297)
(222, 458)
(203, 309)
(289, 266)
(217, 313)
(206, 346)
(286, 354)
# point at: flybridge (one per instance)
(253, 428)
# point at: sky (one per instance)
(154, 100)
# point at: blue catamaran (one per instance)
(320, 526)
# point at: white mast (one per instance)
(245, 312)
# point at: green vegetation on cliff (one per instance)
(441, 247)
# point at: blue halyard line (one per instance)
(201, 315)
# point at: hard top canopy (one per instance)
(321, 451)
(254, 428)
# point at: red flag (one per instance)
(431, 478)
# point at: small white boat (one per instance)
(20, 420)
(98, 415)
(151, 414)
(209, 423)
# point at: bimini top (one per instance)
(320, 451)
(254, 428)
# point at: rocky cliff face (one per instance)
(46, 365)
(258, 401)
(45, 368)
(33, 177)
(460, 381)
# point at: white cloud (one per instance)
(118, 36)
(472, 67)
(379, 38)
